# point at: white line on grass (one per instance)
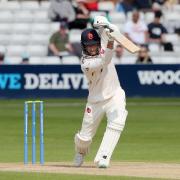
(153, 103)
(74, 104)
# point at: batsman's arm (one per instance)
(110, 44)
(97, 62)
(109, 51)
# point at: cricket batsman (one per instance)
(106, 96)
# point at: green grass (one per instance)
(151, 133)
(46, 176)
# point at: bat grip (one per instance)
(107, 27)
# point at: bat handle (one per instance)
(107, 27)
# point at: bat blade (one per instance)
(125, 42)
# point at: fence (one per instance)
(35, 81)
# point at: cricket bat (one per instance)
(124, 41)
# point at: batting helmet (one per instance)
(89, 37)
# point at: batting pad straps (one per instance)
(108, 144)
(82, 144)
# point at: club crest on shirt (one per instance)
(88, 109)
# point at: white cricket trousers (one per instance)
(114, 109)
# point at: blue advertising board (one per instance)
(35, 81)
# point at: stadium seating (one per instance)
(19, 39)
(21, 28)
(165, 60)
(6, 16)
(51, 60)
(5, 28)
(54, 27)
(37, 50)
(176, 8)
(30, 5)
(128, 60)
(177, 49)
(75, 36)
(24, 26)
(15, 50)
(154, 47)
(23, 16)
(117, 17)
(166, 57)
(10, 5)
(44, 60)
(36, 60)
(171, 20)
(97, 13)
(4, 39)
(70, 60)
(173, 38)
(106, 6)
(44, 5)
(39, 39)
(40, 28)
(149, 16)
(13, 60)
(41, 16)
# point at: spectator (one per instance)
(25, 58)
(2, 55)
(143, 56)
(91, 5)
(160, 2)
(58, 43)
(125, 6)
(177, 31)
(144, 5)
(81, 17)
(119, 50)
(114, 1)
(168, 4)
(136, 29)
(61, 10)
(157, 31)
(157, 5)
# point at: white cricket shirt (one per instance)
(101, 75)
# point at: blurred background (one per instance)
(37, 33)
(27, 29)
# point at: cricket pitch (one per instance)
(131, 169)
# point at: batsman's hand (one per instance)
(105, 26)
(100, 21)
